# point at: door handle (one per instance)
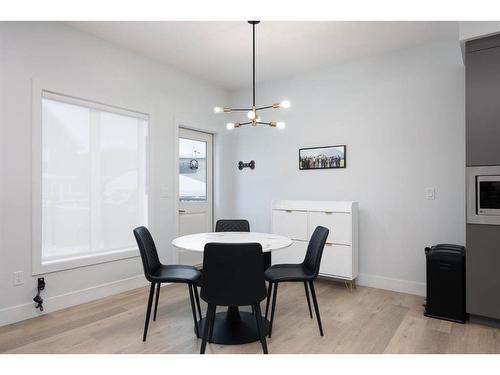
(182, 211)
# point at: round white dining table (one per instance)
(233, 326)
(197, 242)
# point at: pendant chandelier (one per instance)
(253, 112)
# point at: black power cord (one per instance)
(38, 299)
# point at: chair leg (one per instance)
(269, 290)
(148, 311)
(197, 299)
(208, 319)
(158, 285)
(316, 307)
(275, 292)
(212, 323)
(308, 300)
(190, 286)
(260, 328)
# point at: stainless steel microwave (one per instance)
(483, 195)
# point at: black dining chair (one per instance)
(232, 225)
(305, 272)
(239, 225)
(157, 273)
(233, 276)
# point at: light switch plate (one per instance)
(18, 278)
(430, 193)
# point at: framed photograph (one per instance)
(325, 157)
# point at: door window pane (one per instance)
(192, 170)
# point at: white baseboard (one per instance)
(26, 311)
(397, 285)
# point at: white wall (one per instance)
(401, 116)
(58, 53)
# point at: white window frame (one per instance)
(42, 90)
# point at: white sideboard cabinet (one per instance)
(298, 219)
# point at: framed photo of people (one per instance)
(324, 157)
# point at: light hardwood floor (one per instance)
(365, 321)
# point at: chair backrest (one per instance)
(232, 225)
(147, 248)
(315, 248)
(233, 274)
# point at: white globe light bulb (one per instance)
(251, 115)
(285, 104)
(230, 126)
(280, 125)
(218, 110)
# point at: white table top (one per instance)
(196, 242)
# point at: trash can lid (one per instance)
(449, 246)
(446, 249)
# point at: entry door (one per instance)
(195, 187)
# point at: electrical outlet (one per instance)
(18, 278)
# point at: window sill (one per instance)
(83, 261)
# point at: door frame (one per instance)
(189, 125)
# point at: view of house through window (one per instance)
(192, 170)
(94, 183)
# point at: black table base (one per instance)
(234, 327)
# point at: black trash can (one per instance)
(446, 282)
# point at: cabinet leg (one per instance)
(349, 285)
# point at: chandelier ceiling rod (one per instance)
(252, 112)
(253, 27)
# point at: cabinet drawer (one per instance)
(293, 254)
(339, 224)
(337, 261)
(292, 224)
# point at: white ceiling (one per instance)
(221, 52)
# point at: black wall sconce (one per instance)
(250, 165)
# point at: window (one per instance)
(192, 170)
(94, 181)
